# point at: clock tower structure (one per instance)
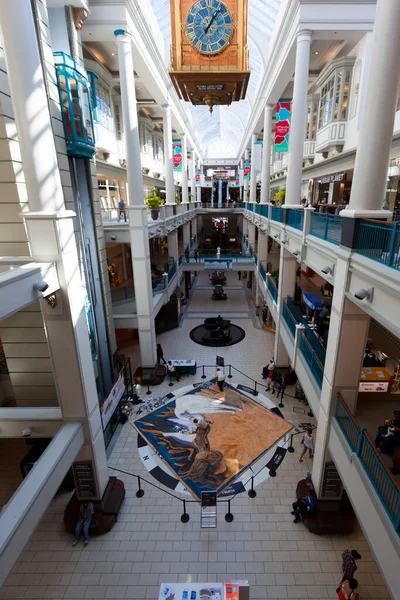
(209, 53)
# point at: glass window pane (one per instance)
(346, 95)
(75, 103)
(65, 105)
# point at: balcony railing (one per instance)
(277, 214)
(264, 210)
(272, 289)
(171, 273)
(326, 227)
(380, 242)
(312, 339)
(289, 320)
(263, 273)
(311, 359)
(295, 218)
(378, 472)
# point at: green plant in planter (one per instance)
(178, 198)
(153, 201)
(275, 275)
(280, 197)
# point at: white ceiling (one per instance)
(220, 134)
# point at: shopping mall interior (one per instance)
(200, 287)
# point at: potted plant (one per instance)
(153, 201)
(178, 199)
(280, 197)
(274, 273)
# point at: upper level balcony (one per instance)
(331, 136)
(309, 150)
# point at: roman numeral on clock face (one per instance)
(199, 45)
(191, 36)
(225, 37)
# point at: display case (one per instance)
(76, 108)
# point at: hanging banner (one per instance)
(177, 151)
(198, 177)
(246, 168)
(256, 156)
(111, 402)
(282, 127)
(241, 176)
(237, 179)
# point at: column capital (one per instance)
(166, 107)
(304, 35)
(182, 135)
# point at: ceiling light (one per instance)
(316, 52)
(112, 53)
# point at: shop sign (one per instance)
(111, 402)
(246, 169)
(177, 152)
(282, 127)
(256, 156)
(332, 178)
(85, 481)
(211, 87)
(373, 386)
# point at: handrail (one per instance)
(312, 350)
(367, 435)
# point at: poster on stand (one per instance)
(282, 127)
(177, 151)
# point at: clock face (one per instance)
(209, 26)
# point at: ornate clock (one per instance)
(209, 50)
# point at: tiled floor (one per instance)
(149, 544)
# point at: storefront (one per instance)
(333, 189)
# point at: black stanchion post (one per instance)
(230, 377)
(185, 517)
(255, 386)
(229, 515)
(290, 447)
(272, 473)
(148, 390)
(204, 375)
(140, 492)
(281, 405)
(170, 380)
(252, 492)
(310, 413)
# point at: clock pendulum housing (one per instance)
(209, 52)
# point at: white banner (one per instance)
(256, 156)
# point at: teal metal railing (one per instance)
(263, 273)
(171, 273)
(91, 327)
(158, 285)
(277, 214)
(272, 289)
(264, 210)
(124, 293)
(380, 242)
(180, 260)
(255, 259)
(289, 320)
(326, 227)
(295, 218)
(311, 359)
(257, 209)
(312, 339)
(378, 472)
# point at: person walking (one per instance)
(160, 355)
(187, 253)
(121, 210)
(280, 387)
(308, 444)
(196, 255)
(349, 564)
(346, 590)
(220, 379)
(270, 373)
(86, 513)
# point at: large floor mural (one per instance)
(208, 438)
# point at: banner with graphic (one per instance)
(198, 177)
(282, 127)
(246, 168)
(241, 177)
(177, 151)
(256, 156)
(237, 179)
(111, 402)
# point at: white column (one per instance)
(266, 155)
(173, 250)
(198, 189)
(263, 248)
(138, 229)
(168, 157)
(185, 191)
(286, 287)
(376, 131)
(253, 173)
(186, 235)
(220, 193)
(246, 181)
(129, 115)
(251, 228)
(193, 175)
(298, 120)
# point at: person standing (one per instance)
(86, 513)
(220, 379)
(187, 253)
(270, 373)
(121, 210)
(308, 444)
(349, 564)
(160, 355)
(196, 255)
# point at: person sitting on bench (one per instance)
(304, 506)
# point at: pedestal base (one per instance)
(105, 510)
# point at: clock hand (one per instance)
(212, 19)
